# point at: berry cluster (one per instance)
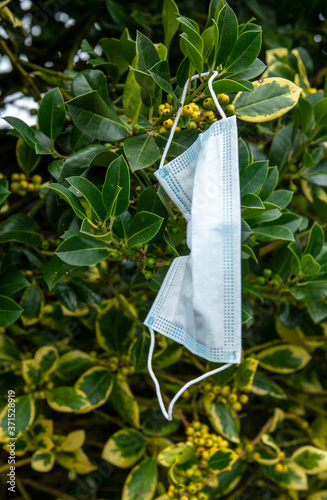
(22, 185)
(232, 398)
(206, 443)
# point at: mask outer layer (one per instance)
(199, 302)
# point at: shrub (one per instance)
(87, 241)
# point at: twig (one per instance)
(22, 489)
(20, 463)
(47, 489)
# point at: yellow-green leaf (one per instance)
(176, 453)
(47, 358)
(31, 371)
(123, 401)
(43, 461)
(245, 374)
(75, 461)
(96, 383)
(67, 399)
(285, 358)
(319, 429)
(294, 479)
(141, 483)
(270, 99)
(222, 420)
(311, 459)
(24, 414)
(73, 441)
(221, 460)
(124, 448)
(318, 495)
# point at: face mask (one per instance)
(199, 302)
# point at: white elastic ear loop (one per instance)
(182, 100)
(169, 415)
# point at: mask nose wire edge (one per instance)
(168, 415)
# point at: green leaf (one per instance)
(117, 176)
(316, 241)
(122, 224)
(47, 359)
(271, 98)
(251, 201)
(92, 196)
(176, 453)
(309, 266)
(253, 71)
(253, 177)
(318, 495)
(305, 113)
(143, 228)
(245, 374)
(320, 112)
(24, 416)
(96, 118)
(124, 448)
(244, 52)
(69, 197)
(96, 383)
(20, 228)
(43, 461)
(82, 250)
(286, 358)
(147, 55)
(228, 480)
(9, 311)
(191, 33)
(222, 420)
(169, 20)
(32, 302)
(66, 399)
(270, 183)
(268, 233)
(27, 159)
(24, 131)
(193, 53)
(228, 31)
(226, 85)
(154, 426)
(280, 198)
(52, 113)
(132, 101)
(124, 403)
(9, 351)
(161, 75)
(12, 282)
(112, 340)
(140, 351)
(55, 270)
(264, 386)
(141, 482)
(311, 459)
(221, 460)
(113, 51)
(88, 80)
(141, 151)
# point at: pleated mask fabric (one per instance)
(199, 302)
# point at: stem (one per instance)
(16, 62)
(46, 70)
(21, 488)
(20, 463)
(47, 489)
(109, 418)
(34, 210)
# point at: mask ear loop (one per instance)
(182, 100)
(168, 415)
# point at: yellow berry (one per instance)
(167, 106)
(237, 406)
(162, 130)
(238, 450)
(195, 107)
(193, 497)
(209, 443)
(15, 177)
(256, 456)
(22, 177)
(196, 425)
(312, 90)
(244, 398)
(178, 129)
(23, 184)
(216, 389)
(196, 115)
(191, 125)
(209, 115)
(201, 441)
(205, 427)
(189, 431)
(190, 472)
(281, 455)
(249, 448)
(207, 387)
(161, 108)
(202, 496)
(14, 186)
(205, 454)
(232, 398)
(211, 396)
(223, 99)
(188, 110)
(208, 103)
(285, 468)
(22, 192)
(171, 494)
(225, 390)
(192, 488)
(168, 123)
(224, 443)
(37, 179)
(230, 110)
(171, 487)
(30, 186)
(184, 497)
(279, 468)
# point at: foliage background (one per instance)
(63, 333)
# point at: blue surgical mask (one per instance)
(199, 302)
